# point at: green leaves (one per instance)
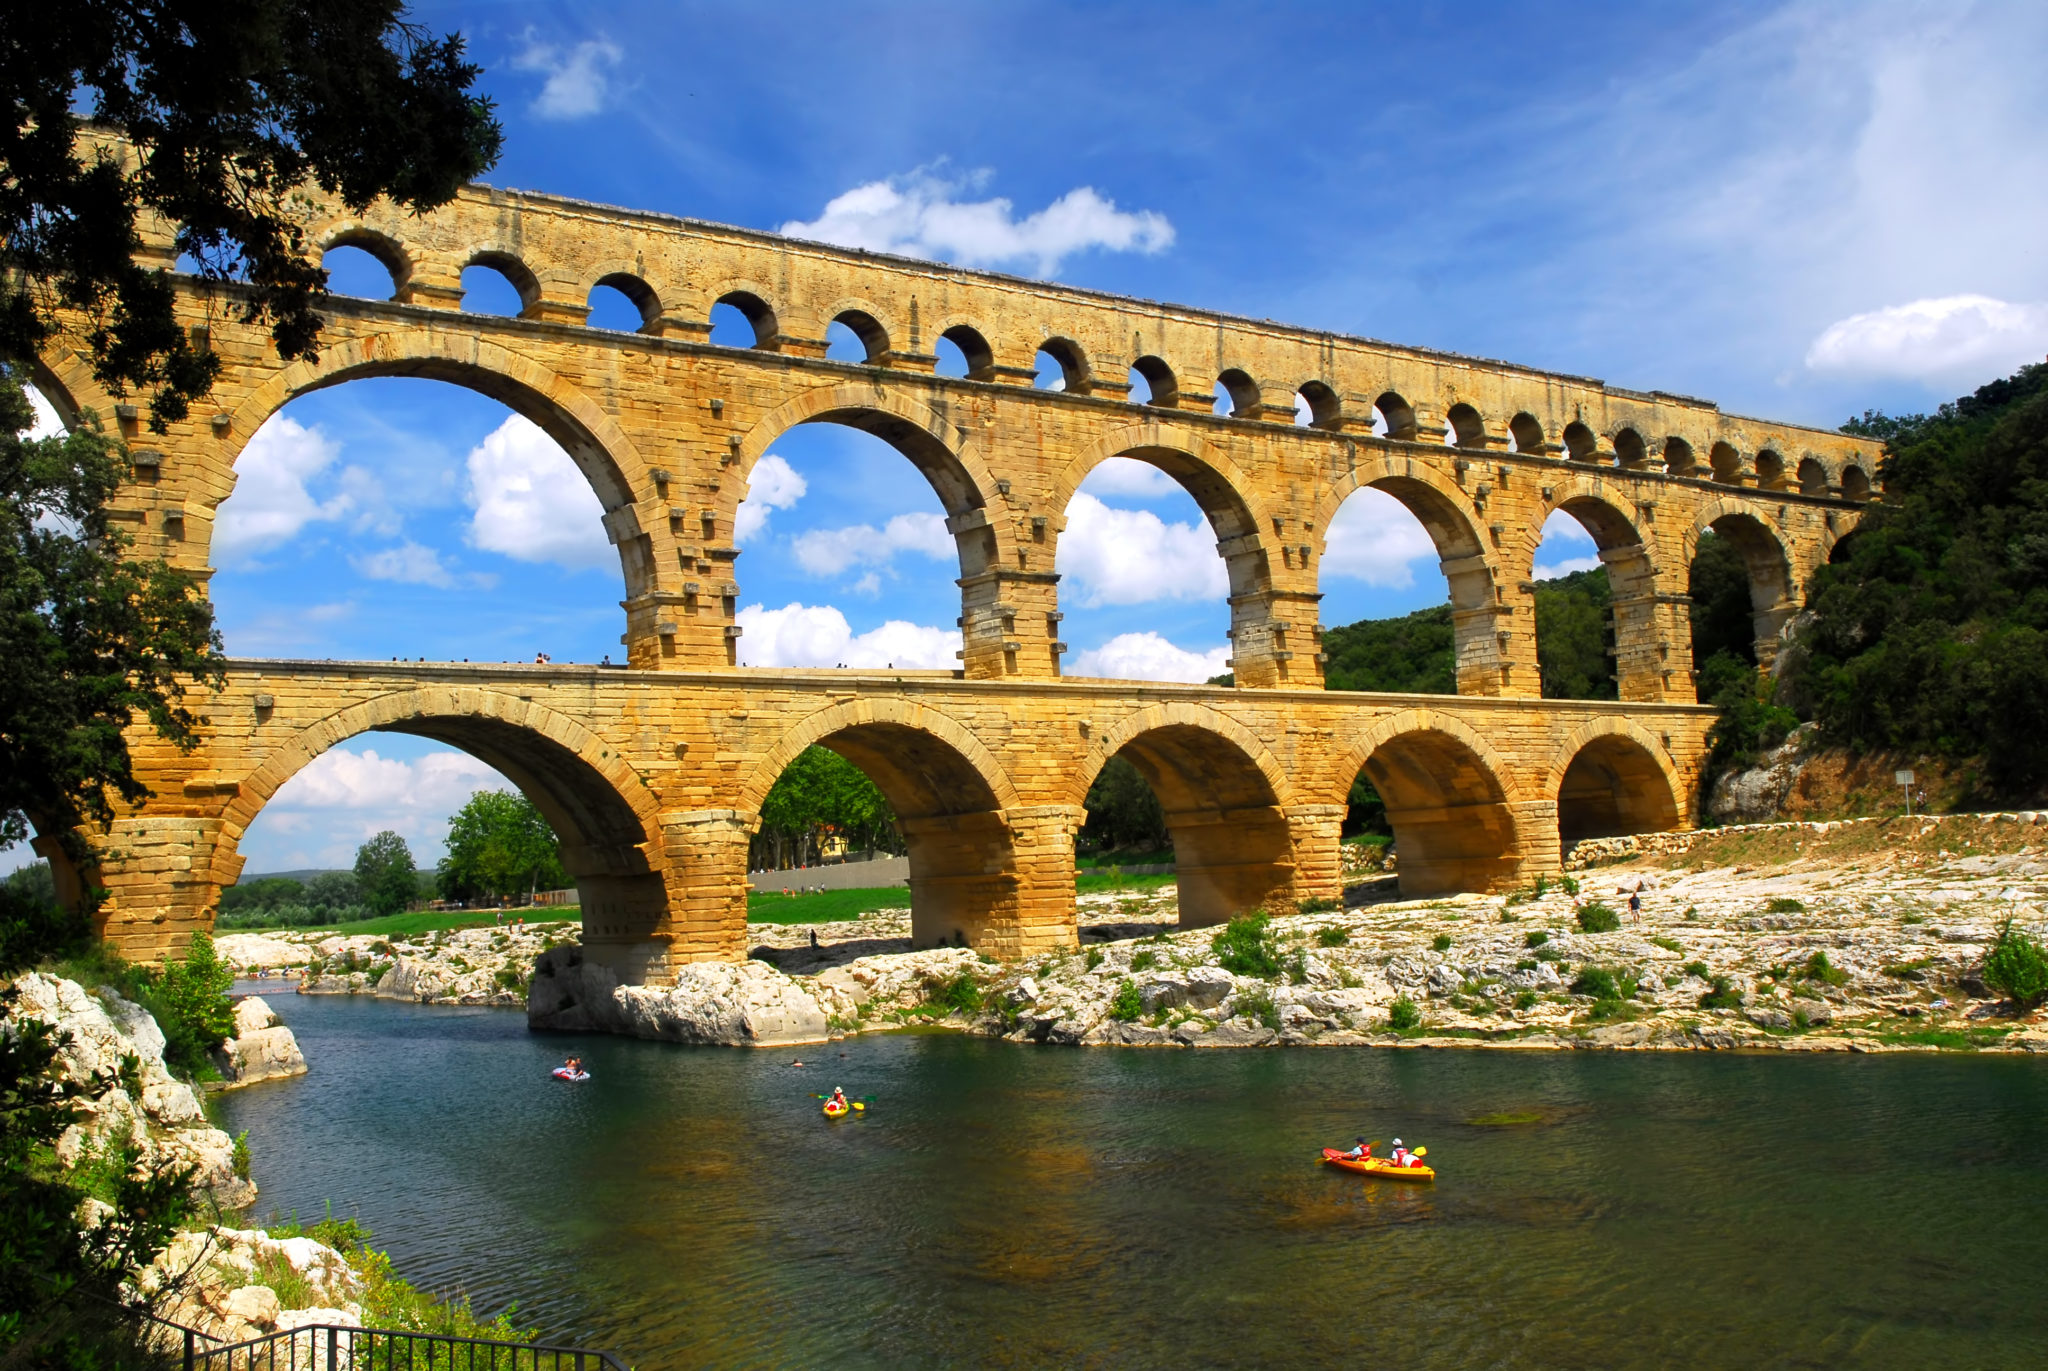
(499, 844)
(385, 873)
(822, 791)
(2017, 967)
(1575, 636)
(1244, 947)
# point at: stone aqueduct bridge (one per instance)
(653, 775)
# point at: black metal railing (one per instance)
(340, 1347)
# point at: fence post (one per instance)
(188, 1350)
(333, 1338)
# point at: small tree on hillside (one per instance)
(385, 873)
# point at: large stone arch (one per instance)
(952, 802)
(1617, 533)
(1450, 797)
(592, 438)
(1226, 800)
(605, 816)
(1610, 777)
(1445, 509)
(1775, 580)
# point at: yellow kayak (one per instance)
(833, 1109)
(1378, 1166)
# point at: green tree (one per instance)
(817, 791)
(221, 112)
(1575, 636)
(1722, 617)
(1929, 630)
(385, 873)
(499, 844)
(1123, 813)
(1415, 653)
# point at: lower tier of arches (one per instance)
(654, 784)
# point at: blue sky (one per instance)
(1797, 210)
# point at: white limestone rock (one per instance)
(263, 1049)
(745, 1005)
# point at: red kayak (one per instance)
(1378, 1166)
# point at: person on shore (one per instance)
(1635, 905)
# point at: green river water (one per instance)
(1013, 1206)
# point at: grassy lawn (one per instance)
(825, 907)
(1091, 881)
(426, 921)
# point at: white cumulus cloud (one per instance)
(818, 635)
(271, 503)
(47, 424)
(1566, 547)
(412, 563)
(829, 551)
(922, 215)
(349, 793)
(532, 503)
(1376, 540)
(773, 485)
(1134, 557)
(578, 77)
(1951, 338)
(1129, 477)
(1147, 657)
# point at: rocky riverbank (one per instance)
(1858, 936)
(471, 966)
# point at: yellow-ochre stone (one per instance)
(653, 776)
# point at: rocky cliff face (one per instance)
(114, 1050)
(263, 1049)
(711, 1003)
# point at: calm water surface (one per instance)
(1010, 1206)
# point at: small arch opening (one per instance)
(1813, 477)
(741, 319)
(1316, 406)
(1770, 470)
(964, 353)
(1679, 458)
(623, 304)
(1398, 416)
(856, 336)
(1464, 427)
(1631, 453)
(1061, 366)
(1579, 443)
(354, 270)
(1855, 483)
(498, 283)
(1726, 464)
(1152, 383)
(1739, 582)
(1527, 432)
(1236, 395)
(1614, 787)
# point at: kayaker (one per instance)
(1398, 1154)
(838, 1097)
(1360, 1152)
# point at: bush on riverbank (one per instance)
(2017, 967)
(389, 1300)
(1597, 918)
(1245, 947)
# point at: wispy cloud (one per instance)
(922, 214)
(578, 77)
(774, 485)
(1954, 339)
(829, 551)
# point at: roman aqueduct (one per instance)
(653, 773)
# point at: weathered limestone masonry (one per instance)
(652, 776)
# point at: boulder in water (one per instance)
(747, 1004)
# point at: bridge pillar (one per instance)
(706, 897)
(1314, 832)
(1536, 838)
(162, 876)
(1042, 838)
(1231, 861)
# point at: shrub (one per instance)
(508, 978)
(1818, 968)
(1333, 936)
(1318, 904)
(1723, 996)
(1596, 981)
(1245, 947)
(1784, 904)
(1094, 958)
(1403, 1014)
(1568, 885)
(958, 993)
(1508, 918)
(2017, 967)
(1257, 1004)
(1699, 969)
(191, 1005)
(1297, 968)
(1144, 959)
(1441, 942)
(1908, 971)
(1535, 937)
(1668, 944)
(1125, 1006)
(1597, 918)
(1525, 999)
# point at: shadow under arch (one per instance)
(1447, 515)
(949, 795)
(1612, 778)
(1450, 799)
(595, 443)
(1773, 585)
(602, 813)
(1224, 494)
(1223, 795)
(1640, 670)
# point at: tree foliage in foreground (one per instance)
(499, 844)
(1929, 632)
(228, 110)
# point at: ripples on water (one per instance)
(1017, 1207)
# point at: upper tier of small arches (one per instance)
(967, 326)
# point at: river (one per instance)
(1013, 1206)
